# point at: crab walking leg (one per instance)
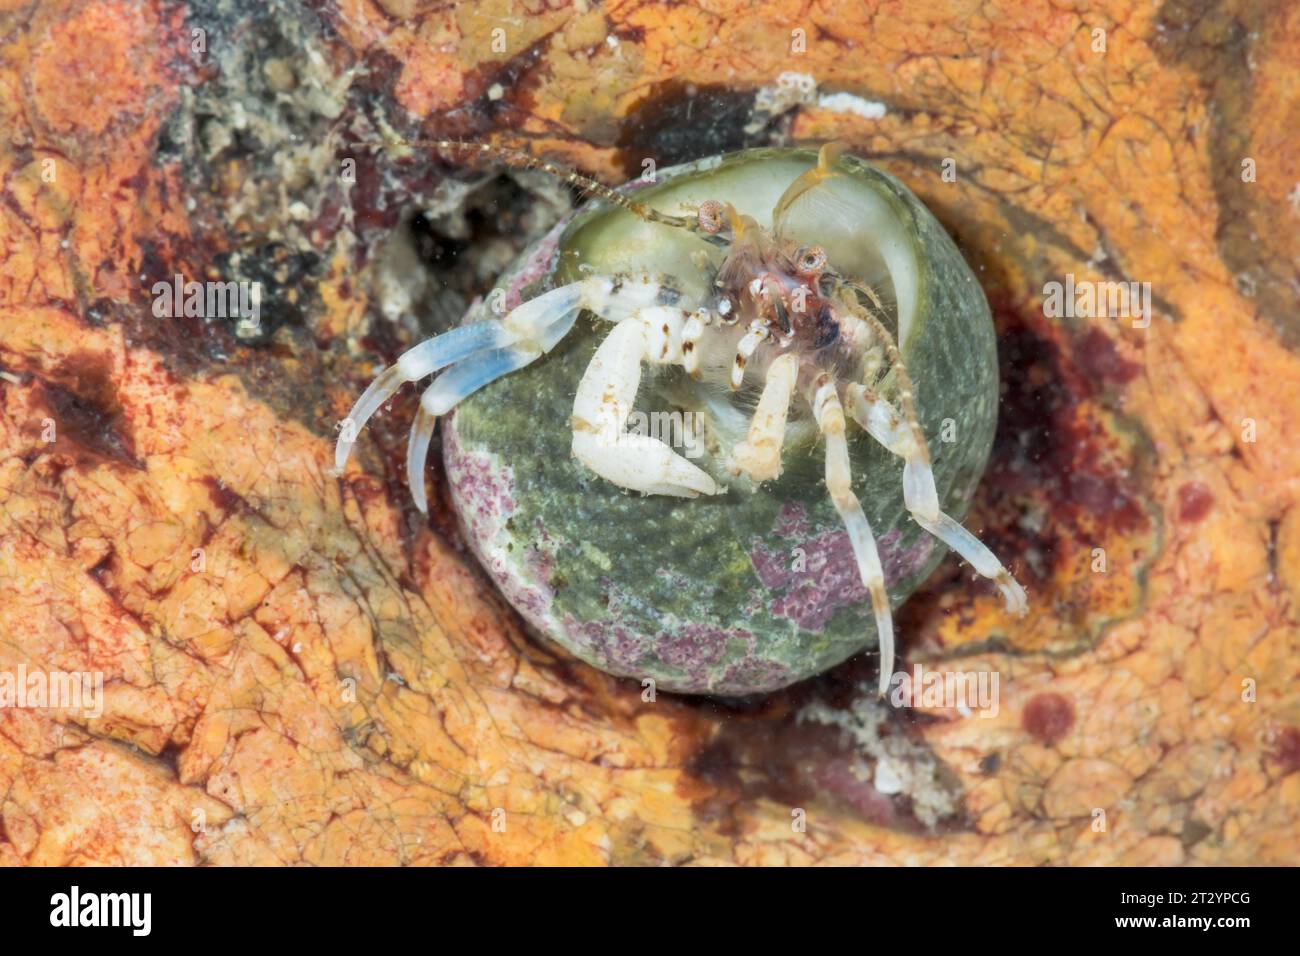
(889, 428)
(415, 363)
(759, 455)
(485, 351)
(448, 390)
(830, 419)
(751, 340)
(692, 332)
(540, 322)
(537, 326)
(604, 402)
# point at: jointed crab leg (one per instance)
(485, 351)
(921, 497)
(481, 353)
(830, 419)
(534, 324)
(759, 455)
(756, 335)
(450, 388)
(604, 402)
(692, 332)
(424, 359)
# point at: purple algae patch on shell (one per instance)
(486, 506)
(822, 578)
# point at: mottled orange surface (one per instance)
(298, 670)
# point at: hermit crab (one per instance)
(781, 303)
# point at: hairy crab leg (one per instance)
(486, 351)
(839, 477)
(604, 401)
(892, 430)
(452, 387)
(759, 455)
(751, 340)
(692, 332)
(876, 332)
(415, 363)
(535, 322)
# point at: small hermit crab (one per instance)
(773, 295)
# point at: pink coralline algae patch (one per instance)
(754, 675)
(699, 651)
(694, 647)
(479, 483)
(847, 781)
(818, 575)
(900, 562)
(617, 648)
(485, 501)
(538, 265)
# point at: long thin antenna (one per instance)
(519, 159)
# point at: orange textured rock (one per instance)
(296, 668)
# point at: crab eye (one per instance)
(812, 259)
(710, 216)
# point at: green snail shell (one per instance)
(754, 589)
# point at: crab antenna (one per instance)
(519, 159)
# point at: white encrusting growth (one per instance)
(850, 103)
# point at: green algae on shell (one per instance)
(754, 589)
